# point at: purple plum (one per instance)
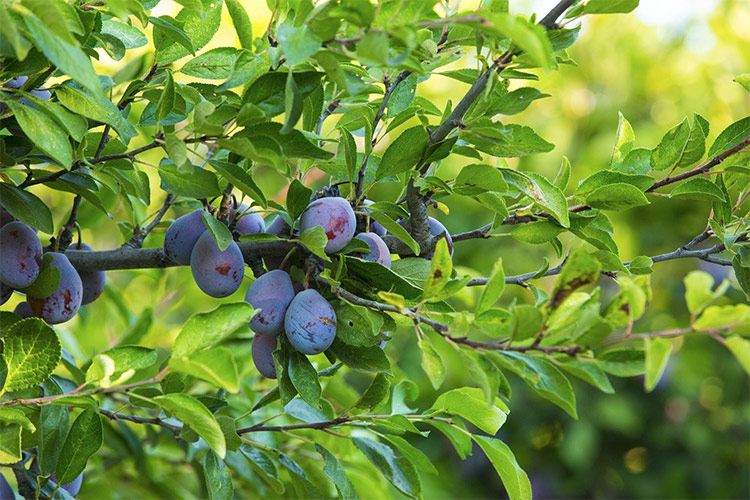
(5, 217)
(20, 255)
(381, 344)
(436, 228)
(335, 216)
(5, 293)
(277, 226)
(262, 350)
(93, 281)
(219, 274)
(19, 82)
(182, 236)
(24, 310)
(72, 487)
(271, 293)
(64, 302)
(6, 491)
(375, 227)
(378, 249)
(249, 221)
(310, 322)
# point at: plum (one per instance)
(64, 302)
(19, 82)
(375, 227)
(24, 310)
(6, 491)
(262, 350)
(378, 249)
(310, 323)
(72, 487)
(20, 255)
(218, 274)
(5, 293)
(381, 344)
(93, 281)
(278, 226)
(436, 228)
(271, 293)
(182, 236)
(335, 216)
(249, 221)
(5, 217)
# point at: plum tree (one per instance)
(65, 301)
(335, 215)
(182, 236)
(262, 352)
(20, 255)
(271, 293)
(93, 281)
(218, 273)
(24, 310)
(378, 249)
(375, 226)
(436, 229)
(310, 322)
(248, 221)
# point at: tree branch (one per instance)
(175, 429)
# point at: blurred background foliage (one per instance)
(688, 438)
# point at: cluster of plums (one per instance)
(21, 263)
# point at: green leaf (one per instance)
(216, 365)
(457, 435)
(216, 64)
(364, 359)
(440, 269)
(432, 363)
(740, 347)
(744, 80)
(609, 6)
(167, 28)
(730, 137)
(218, 478)
(166, 102)
(541, 191)
(470, 403)
(609, 177)
(514, 478)
(97, 108)
(373, 47)
(240, 178)
(82, 441)
(506, 141)
(478, 178)
(698, 188)
(44, 132)
(737, 315)
(698, 291)
(336, 473)
(31, 352)
(297, 199)
(242, 24)
(350, 152)
(297, 42)
(382, 278)
(188, 181)
(376, 394)
(219, 232)
(546, 379)
(404, 153)
(657, 355)
(26, 207)
(617, 196)
(494, 287)
(263, 466)
(669, 151)
(581, 269)
(204, 330)
(70, 59)
(192, 5)
(199, 29)
(396, 469)
(10, 444)
(130, 36)
(117, 365)
(300, 410)
(315, 240)
(413, 454)
(623, 362)
(641, 265)
(516, 101)
(54, 424)
(587, 370)
(395, 229)
(695, 147)
(624, 140)
(292, 104)
(529, 37)
(74, 124)
(537, 232)
(304, 378)
(195, 414)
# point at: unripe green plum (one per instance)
(378, 249)
(262, 351)
(249, 221)
(335, 216)
(218, 273)
(271, 293)
(310, 323)
(64, 302)
(93, 281)
(182, 236)
(20, 255)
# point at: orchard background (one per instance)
(679, 431)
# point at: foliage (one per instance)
(267, 107)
